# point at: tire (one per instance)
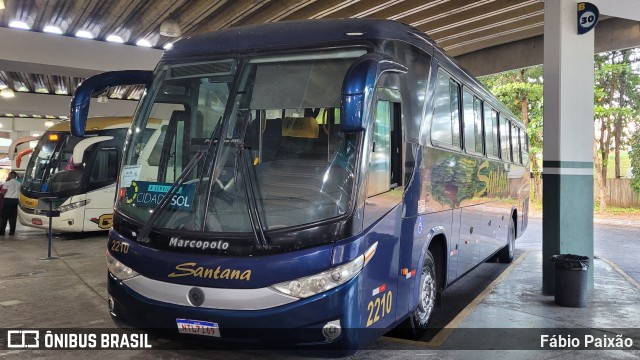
(418, 321)
(506, 253)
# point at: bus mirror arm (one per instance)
(358, 88)
(81, 100)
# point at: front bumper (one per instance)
(294, 325)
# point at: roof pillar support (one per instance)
(567, 225)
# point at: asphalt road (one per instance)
(619, 244)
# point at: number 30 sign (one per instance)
(587, 17)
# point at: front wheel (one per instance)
(419, 319)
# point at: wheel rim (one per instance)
(427, 295)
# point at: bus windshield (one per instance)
(51, 169)
(52, 154)
(250, 142)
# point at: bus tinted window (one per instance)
(491, 131)
(515, 145)
(472, 123)
(445, 128)
(504, 139)
(524, 143)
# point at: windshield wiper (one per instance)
(146, 229)
(252, 205)
(195, 161)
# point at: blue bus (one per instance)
(316, 183)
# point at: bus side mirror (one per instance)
(82, 96)
(358, 89)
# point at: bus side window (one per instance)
(504, 138)
(515, 145)
(104, 169)
(384, 161)
(445, 126)
(524, 141)
(491, 131)
(472, 123)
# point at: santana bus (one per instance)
(79, 173)
(327, 178)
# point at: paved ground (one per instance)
(495, 307)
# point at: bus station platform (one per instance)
(499, 310)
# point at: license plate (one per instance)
(36, 221)
(197, 327)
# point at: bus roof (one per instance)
(297, 33)
(96, 123)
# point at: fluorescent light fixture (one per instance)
(52, 30)
(7, 93)
(48, 123)
(23, 88)
(42, 90)
(170, 28)
(143, 43)
(9, 115)
(103, 98)
(23, 115)
(0, 125)
(84, 34)
(37, 116)
(35, 134)
(17, 24)
(168, 46)
(63, 117)
(1, 4)
(115, 39)
(61, 92)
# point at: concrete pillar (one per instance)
(567, 216)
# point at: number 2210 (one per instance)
(381, 305)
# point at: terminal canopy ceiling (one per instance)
(458, 26)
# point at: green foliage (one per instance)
(515, 87)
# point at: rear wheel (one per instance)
(419, 319)
(506, 253)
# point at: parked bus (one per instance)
(318, 184)
(78, 175)
(19, 152)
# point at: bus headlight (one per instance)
(326, 280)
(118, 269)
(74, 205)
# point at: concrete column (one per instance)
(567, 216)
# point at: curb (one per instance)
(611, 222)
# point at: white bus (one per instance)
(77, 174)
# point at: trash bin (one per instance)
(571, 279)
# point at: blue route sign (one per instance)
(587, 17)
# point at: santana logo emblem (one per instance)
(192, 269)
(196, 296)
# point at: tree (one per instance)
(616, 103)
(634, 155)
(521, 91)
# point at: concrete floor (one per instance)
(505, 320)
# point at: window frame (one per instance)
(475, 96)
(507, 124)
(436, 142)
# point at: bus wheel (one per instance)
(506, 253)
(418, 321)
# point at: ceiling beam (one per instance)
(40, 53)
(491, 33)
(610, 34)
(58, 105)
(275, 11)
